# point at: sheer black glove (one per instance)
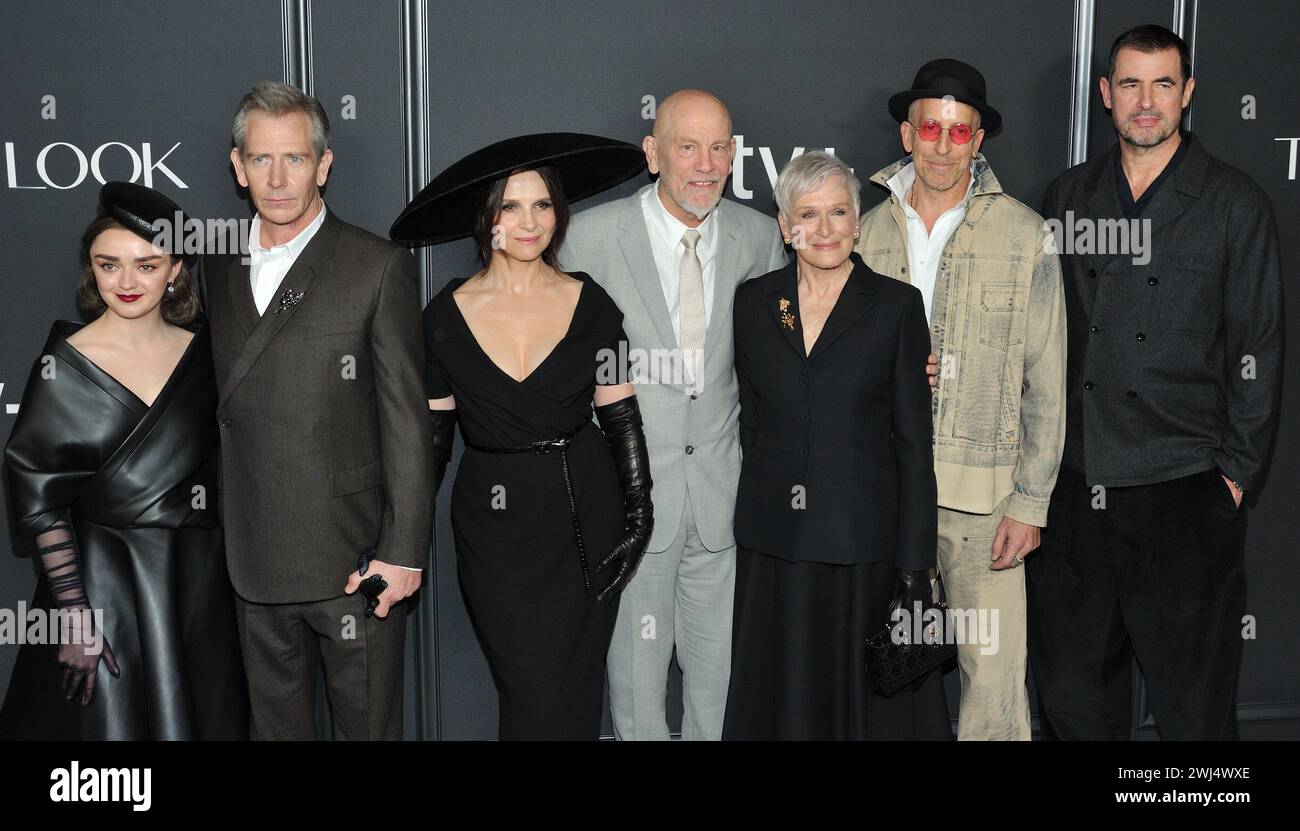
(81, 647)
(621, 422)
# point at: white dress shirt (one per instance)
(666, 233)
(269, 265)
(925, 248)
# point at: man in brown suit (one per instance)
(325, 445)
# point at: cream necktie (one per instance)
(690, 310)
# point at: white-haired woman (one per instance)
(835, 515)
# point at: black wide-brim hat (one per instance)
(444, 209)
(137, 208)
(945, 77)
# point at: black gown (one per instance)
(139, 483)
(544, 635)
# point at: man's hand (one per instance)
(1237, 494)
(1014, 540)
(932, 370)
(402, 583)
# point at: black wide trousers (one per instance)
(1155, 571)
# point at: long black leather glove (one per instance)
(910, 587)
(444, 430)
(621, 422)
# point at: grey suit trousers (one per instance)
(680, 597)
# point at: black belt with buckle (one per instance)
(560, 443)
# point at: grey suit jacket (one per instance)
(693, 438)
(326, 446)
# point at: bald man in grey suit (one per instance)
(671, 256)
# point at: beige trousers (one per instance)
(989, 617)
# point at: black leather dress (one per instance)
(139, 484)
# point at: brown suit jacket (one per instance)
(326, 446)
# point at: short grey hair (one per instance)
(808, 172)
(276, 99)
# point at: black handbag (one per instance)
(893, 666)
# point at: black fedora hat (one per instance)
(948, 77)
(444, 209)
(137, 208)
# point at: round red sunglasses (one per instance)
(930, 129)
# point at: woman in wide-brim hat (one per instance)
(112, 474)
(551, 515)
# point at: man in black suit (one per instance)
(325, 445)
(1173, 379)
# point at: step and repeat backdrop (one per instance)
(145, 91)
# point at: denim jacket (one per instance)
(998, 327)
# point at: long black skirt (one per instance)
(798, 656)
(544, 635)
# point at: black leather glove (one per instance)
(621, 422)
(444, 430)
(910, 587)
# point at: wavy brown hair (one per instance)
(178, 308)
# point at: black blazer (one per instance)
(838, 466)
(326, 446)
(1157, 385)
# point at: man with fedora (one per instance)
(994, 302)
(326, 449)
(671, 256)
